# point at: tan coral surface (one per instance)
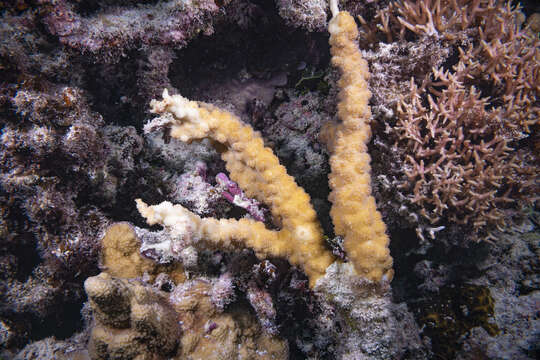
(133, 320)
(120, 256)
(354, 212)
(211, 334)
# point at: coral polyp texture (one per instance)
(136, 320)
(256, 170)
(143, 323)
(354, 211)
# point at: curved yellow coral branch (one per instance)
(257, 170)
(354, 212)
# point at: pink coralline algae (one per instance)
(195, 189)
(235, 195)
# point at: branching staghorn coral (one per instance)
(495, 50)
(259, 173)
(506, 56)
(470, 175)
(462, 121)
(428, 17)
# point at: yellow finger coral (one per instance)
(354, 212)
(257, 170)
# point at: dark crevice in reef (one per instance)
(451, 60)
(528, 7)
(62, 323)
(235, 58)
(463, 261)
(18, 251)
(125, 210)
(449, 313)
(113, 89)
(23, 261)
(23, 247)
(404, 281)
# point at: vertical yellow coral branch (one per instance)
(354, 212)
